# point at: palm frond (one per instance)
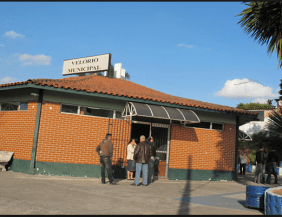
(274, 123)
(263, 21)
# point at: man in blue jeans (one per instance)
(105, 151)
(142, 154)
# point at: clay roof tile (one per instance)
(121, 87)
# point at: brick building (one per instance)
(54, 125)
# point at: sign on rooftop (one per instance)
(98, 63)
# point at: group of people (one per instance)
(266, 163)
(141, 156)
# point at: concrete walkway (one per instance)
(37, 194)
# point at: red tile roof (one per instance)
(121, 87)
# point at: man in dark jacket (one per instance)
(141, 156)
(260, 165)
(105, 151)
(272, 161)
(151, 163)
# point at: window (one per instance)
(70, 109)
(23, 106)
(216, 126)
(118, 115)
(99, 112)
(91, 111)
(13, 106)
(206, 125)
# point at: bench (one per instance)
(5, 157)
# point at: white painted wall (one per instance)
(254, 126)
(119, 72)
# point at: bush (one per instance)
(253, 106)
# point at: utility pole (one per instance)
(245, 86)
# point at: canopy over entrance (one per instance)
(154, 111)
(244, 136)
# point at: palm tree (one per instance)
(274, 123)
(263, 20)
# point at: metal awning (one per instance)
(154, 111)
(244, 136)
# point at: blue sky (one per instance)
(193, 50)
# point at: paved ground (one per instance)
(38, 194)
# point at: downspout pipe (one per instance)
(36, 132)
(236, 148)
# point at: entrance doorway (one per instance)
(160, 133)
(138, 129)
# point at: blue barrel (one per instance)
(280, 164)
(255, 196)
(273, 204)
(249, 168)
(277, 170)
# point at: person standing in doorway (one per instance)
(260, 165)
(105, 151)
(131, 164)
(151, 164)
(142, 154)
(272, 161)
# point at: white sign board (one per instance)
(87, 64)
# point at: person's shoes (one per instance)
(103, 182)
(135, 184)
(146, 185)
(113, 183)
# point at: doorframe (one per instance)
(167, 151)
(168, 141)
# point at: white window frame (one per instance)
(81, 106)
(78, 109)
(16, 102)
(207, 128)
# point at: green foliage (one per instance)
(253, 106)
(264, 22)
(264, 138)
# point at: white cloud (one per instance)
(186, 46)
(8, 80)
(243, 88)
(35, 60)
(260, 100)
(2, 45)
(13, 34)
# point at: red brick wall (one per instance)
(208, 149)
(120, 131)
(17, 131)
(70, 138)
